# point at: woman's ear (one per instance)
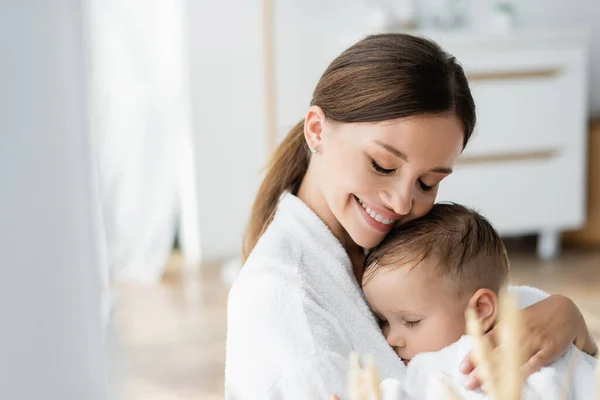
(314, 122)
(485, 304)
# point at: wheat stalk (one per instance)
(354, 378)
(598, 381)
(509, 376)
(363, 383)
(482, 354)
(447, 390)
(571, 369)
(372, 380)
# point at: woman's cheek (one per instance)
(422, 203)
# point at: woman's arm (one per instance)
(583, 340)
(551, 325)
(528, 296)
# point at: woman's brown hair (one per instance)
(380, 78)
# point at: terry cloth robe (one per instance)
(296, 312)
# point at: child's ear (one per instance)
(485, 304)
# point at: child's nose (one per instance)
(395, 341)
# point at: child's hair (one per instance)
(465, 245)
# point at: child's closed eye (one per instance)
(411, 324)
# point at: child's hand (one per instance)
(334, 397)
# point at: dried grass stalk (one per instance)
(597, 382)
(363, 384)
(571, 369)
(482, 355)
(447, 390)
(354, 378)
(509, 376)
(372, 380)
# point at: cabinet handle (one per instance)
(507, 157)
(516, 74)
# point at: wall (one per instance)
(308, 32)
(228, 112)
(227, 88)
(51, 341)
(568, 13)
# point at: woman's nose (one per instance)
(400, 199)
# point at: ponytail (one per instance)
(285, 171)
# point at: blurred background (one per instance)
(132, 137)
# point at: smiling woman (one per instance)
(387, 121)
(394, 170)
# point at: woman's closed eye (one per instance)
(388, 171)
(424, 187)
(380, 170)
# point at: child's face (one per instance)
(417, 311)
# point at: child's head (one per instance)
(422, 277)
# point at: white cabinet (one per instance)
(525, 166)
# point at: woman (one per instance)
(388, 119)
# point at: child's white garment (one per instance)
(296, 312)
(421, 380)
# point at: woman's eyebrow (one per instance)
(393, 150)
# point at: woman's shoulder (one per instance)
(277, 246)
(269, 270)
(263, 280)
(267, 288)
(526, 295)
(272, 291)
(274, 267)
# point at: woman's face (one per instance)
(375, 175)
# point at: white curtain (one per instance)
(141, 121)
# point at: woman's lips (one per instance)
(377, 218)
(383, 212)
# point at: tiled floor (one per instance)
(173, 334)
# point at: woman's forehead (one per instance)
(438, 138)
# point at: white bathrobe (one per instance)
(421, 380)
(296, 312)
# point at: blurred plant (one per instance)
(364, 383)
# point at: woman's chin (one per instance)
(368, 240)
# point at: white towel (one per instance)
(296, 312)
(425, 370)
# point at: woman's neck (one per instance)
(312, 196)
(357, 257)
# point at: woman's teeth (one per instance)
(376, 216)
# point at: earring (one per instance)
(313, 150)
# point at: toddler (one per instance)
(422, 277)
